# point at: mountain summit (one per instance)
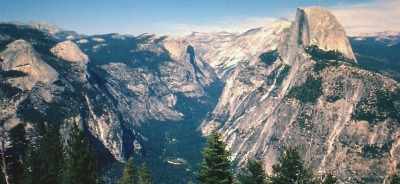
(316, 26)
(310, 93)
(290, 84)
(54, 30)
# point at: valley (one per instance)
(301, 83)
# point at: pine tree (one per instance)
(81, 165)
(395, 179)
(29, 175)
(144, 174)
(215, 168)
(253, 173)
(15, 154)
(128, 175)
(290, 169)
(43, 159)
(330, 179)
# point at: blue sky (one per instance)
(180, 17)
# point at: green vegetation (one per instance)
(321, 65)
(290, 169)
(42, 162)
(308, 92)
(14, 155)
(81, 164)
(304, 120)
(394, 179)
(12, 74)
(375, 151)
(129, 174)
(330, 179)
(325, 59)
(8, 91)
(269, 57)
(337, 91)
(385, 105)
(319, 54)
(253, 173)
(282, 75)
(215, 168)
(144, 174)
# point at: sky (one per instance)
(181, 17)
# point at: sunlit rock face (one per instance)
(69, 51)
(299, 95)
(223, 51)
(287, 84)
(21, 56)
(315, 26)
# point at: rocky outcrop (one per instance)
(224, 51)
(287, 84)
(69, 51)
(309, 93)
(315, 26)
(21, 56)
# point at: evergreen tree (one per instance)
(42, 163)
(290, 169)
(215, 168)
(29, 175)
(81, 165)
(15, 154)
(128, 175)
(395, 179)
(330, 179)
(253, 173)
(144, 174)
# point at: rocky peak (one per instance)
(69, 51)
(315, 26)
(224, 51)
(47, 26)
(55, 31)
(21, 56)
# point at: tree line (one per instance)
(46, 160)
(290, 168)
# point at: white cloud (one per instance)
(229, 24)
(376, 16)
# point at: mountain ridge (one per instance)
(288, 84)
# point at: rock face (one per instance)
(226, 50)
(288, 84)
(69, 51)
(20, 56)
(309, 93)
(315, 26)
(147, 85)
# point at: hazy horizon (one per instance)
(178, 17)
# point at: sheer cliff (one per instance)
(154, 96)
(309, 92)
